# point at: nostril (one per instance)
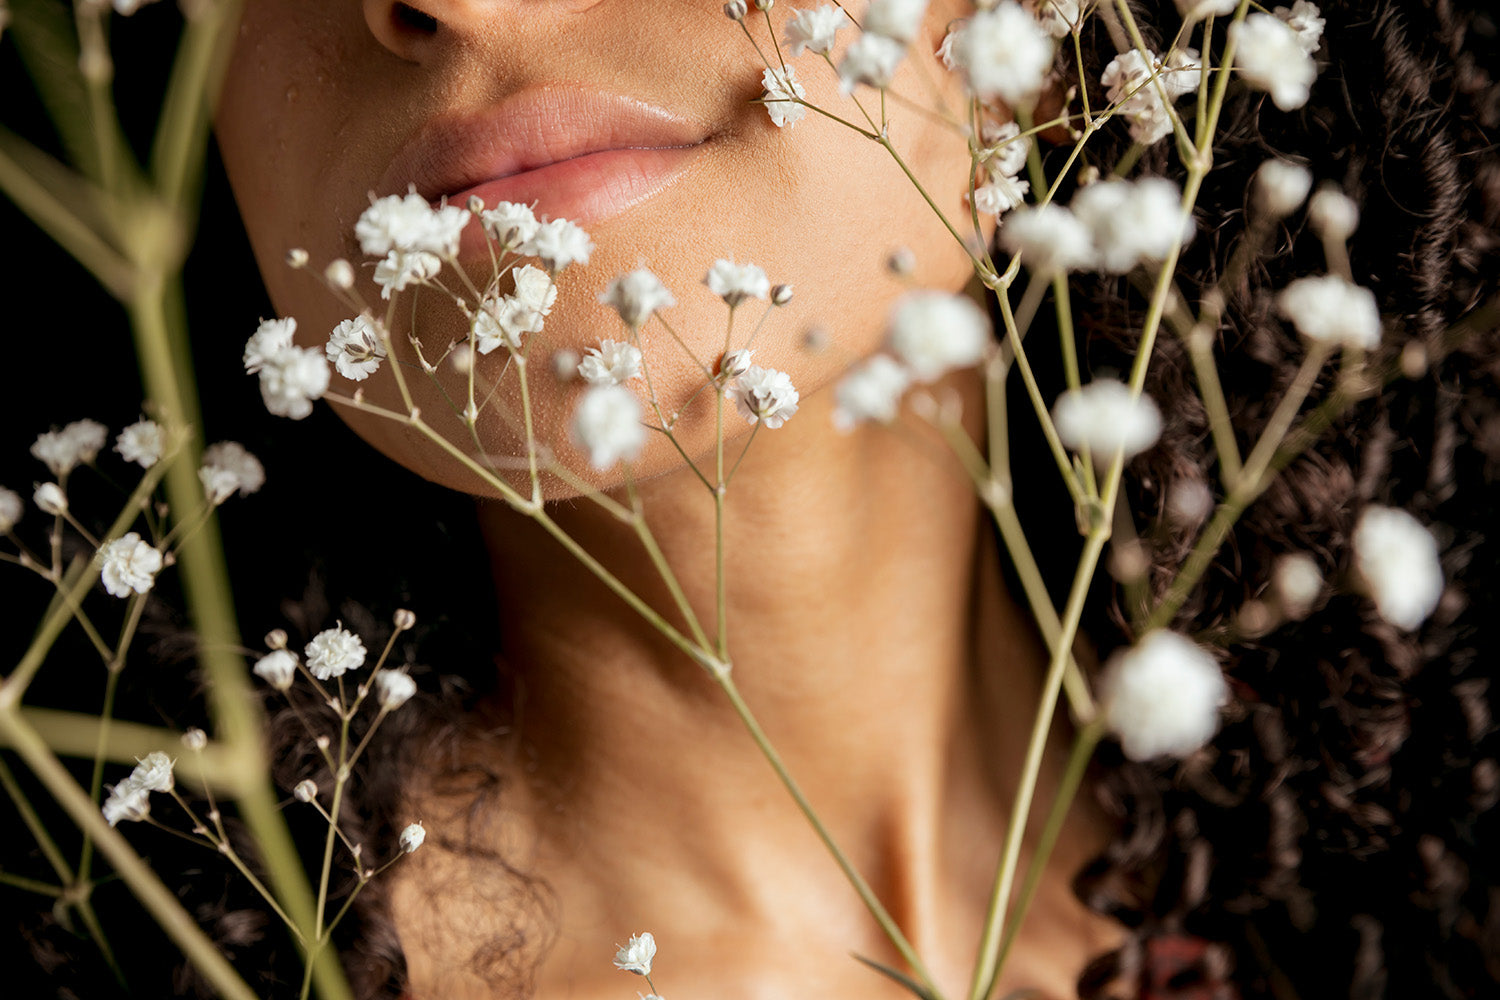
(407, 18)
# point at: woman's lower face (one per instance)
(637, 121)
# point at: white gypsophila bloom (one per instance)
(11, 509)
(153, 773)
(1398, 560)
(356, 348)
(194, 739)
(277, 668)
(129, 565)
(1329, 309)
(534, 291)
(1132, 221)
(305, 790)
(607, 425)
(228, 467)
(613, 362)
(393, 688)
(781, 88)
(1189, 502)
(1192, 10)
(402, 268)
(765, 395)
(870, 392)
(50, 498)
(1333, 214)
(1162, 696)
(1000, 195)
(736, 363)
(636, 295)
(813, 30)
(1128, 78)
(411, 838)
(1048, 237)
(77, 443)
(564, 363)
(510, 224)
(1059, 17)
(895, 19)
(142, 443)
(130, 804)
(945, 48)
(1003, 53)
(271, 336)
(734, 283)
(934, 332)
(870, 60)
(1281, 187)
(1103, 417)
(559, 243)
(503, 321)
(1306, 20)
(637, 954)
(408, 224)
(332, 652)
(291, 379)
(1269, 57)
(1005, 149)
(1297, 583)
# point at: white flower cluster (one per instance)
(1002, 52)
(504, 320)
(607, 425)
(356, 348)
(1273, 52)
(873, 57)
(637, 954)
(781, 96)
(131, 798)
(228, 468)
(1162, 696)
(291, 377)
(814, 29)
(1003, 158)
(78, 443)
(613, 362)
(334, 652)
(636, 295)
(1328, 309)
(734, 283)
(1111, 226)
(1135, 88)
(142, 443)
(128, 565)
(1397, 558)
(1105, 418)
(763, 394)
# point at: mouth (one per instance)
(575, 154)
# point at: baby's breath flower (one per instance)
(1048, 237)
(1281, 187)
(355, 348)
(934, 332)
(142, 443)
(1189, 502)
(11, 509)
(129, 565)
(565, 363)
(127, 803)
(1296, 583)
(781, 88)
(1398, 560)
(291, 378)
(227, 468)
(871, 391)
(1103, 417)
(194, 739)
(1003, 53)
(813, 30)
(1059, 17)
(637, 954)
(871, 60)
(271, 337)
(1005, 148)
(1130, 86)
(509, 224)
(635, 295)
(305, 790)
(1000, 195)
(559, 243)
(50, 498)
(277, 668)
(402, 268)
(613, 362)
(153, 773)
(535, 290)
(78, 443)
(607, 425)
(1132, 221)
(1306, 20)
(765, 395)
(296, 258)
(1162, 696)
(1192, 10)
(334, 651)
(1333, 214)
(393, 688)
(736, 10)
(734, 283)
(340, 274)
(406, 223)
(503, 321)
(781, 294)
(895, 19)
(411, 838)
(1270, 57)
(404, 619)
(735, 363)
(1329, 309)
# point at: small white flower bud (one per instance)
(735, 10)
(411, 838)
(404, 619)
(1333, 214)
(461, 358)
(781, 295)
(735, 363)
(565, 365)
(306, 790)
(393, 688)
(277, 668)
(1281, 187)
(763, 4)
(276, 639)
(296, 258)
(1297, 583)
(195, 739)
(50, 498)
(476, 204)
(340, 274)
(322, 742)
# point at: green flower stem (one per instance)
(34, 824)
(1286, 411)
(135, 872)
(31, 885)
(866, 894)
(1044, 417)
(979, 266)
(664, 569)
(76, 734)
(96, 779)
(182, 130)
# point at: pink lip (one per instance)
(577, 154)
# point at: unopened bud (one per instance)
(306, 790)
(735, 10)
(735, 363)
(296, 258)
(323, 742)
(781, 295)
(763, 4)
(276, 639)
(565, 365)
(476, 204)
(195, 739)
(340, 274)
(404, 619)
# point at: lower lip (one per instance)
(587, 189)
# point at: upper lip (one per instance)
(529, 130)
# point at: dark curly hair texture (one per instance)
(1337, 839)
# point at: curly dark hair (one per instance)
(1336, 838)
